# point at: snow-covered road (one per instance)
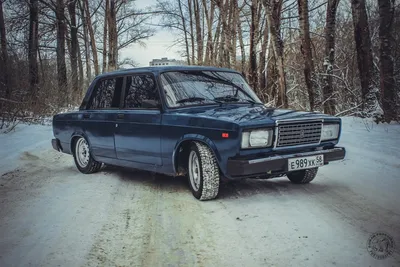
(51, 215)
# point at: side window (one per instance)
(106, 94)
(140, 87)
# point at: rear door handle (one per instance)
(86, 115)
(120, 116)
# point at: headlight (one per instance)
(329, 132)
(257, 138)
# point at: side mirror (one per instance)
(149, 103)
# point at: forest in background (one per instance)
(337, 57)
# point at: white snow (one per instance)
(51, 215)
(23, 138)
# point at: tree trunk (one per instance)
(209, 20)
(191, 30)
(241, 44)
(387, 82)
(228, 34)
(273, 20)
(33, 47)
(222, 33)
(86, 43)
(199, 38)
(105, 36)
(74, 49)
(306, 50)
(61, 67)
(185, 32)
(262, 68)
(80, 71)
(4, 86)
(215, 52)
(235, 18)
(330, 29)
(364, 53)
(91, 35)
(112, 41)
(253, 44)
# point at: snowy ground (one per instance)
(51, 215)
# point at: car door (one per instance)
(138, 124)
(98, 119)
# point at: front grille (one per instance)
(299, 134)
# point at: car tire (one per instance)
(203, 172)
(303, 176)
(83, 157)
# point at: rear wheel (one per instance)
(303, 176)
(203, 172)
(83, 158)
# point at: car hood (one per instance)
(250, 115)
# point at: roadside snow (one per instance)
(23, 138)
(50, 214)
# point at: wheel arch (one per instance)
(183, 144)
(74, 137)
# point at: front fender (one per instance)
(198, 138)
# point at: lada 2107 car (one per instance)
(202, 122)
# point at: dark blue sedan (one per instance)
(202, 122)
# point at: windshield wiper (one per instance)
(232, 98)
(227, 98)
(196, 99)
(190, 99)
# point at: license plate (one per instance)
(305, 162)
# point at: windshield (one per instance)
(183, 88)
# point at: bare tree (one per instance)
(273, 15)
(199, 38)
(91, 36)
(85, 41)
(189, 4)
(364, 53)
(209, 14)
(105, 28)
(330, 30)
(185, 32)
(33, 46)
(387, 82)
(4, 86)
(302, 6)
(61, 66)
(112, 37)
(253, 44)
(74, 47)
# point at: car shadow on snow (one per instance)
(146, 178)
(239, 189)
(276, 187)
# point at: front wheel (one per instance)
(83, 158)
(303, 176)
(203, 172)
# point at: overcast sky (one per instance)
(156, 46)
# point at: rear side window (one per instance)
(140, 87)
(106, 94)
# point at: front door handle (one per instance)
(120, 116)
(86, 115)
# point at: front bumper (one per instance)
(276, 164)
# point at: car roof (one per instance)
(159, 69)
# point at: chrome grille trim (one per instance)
(291, 134)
